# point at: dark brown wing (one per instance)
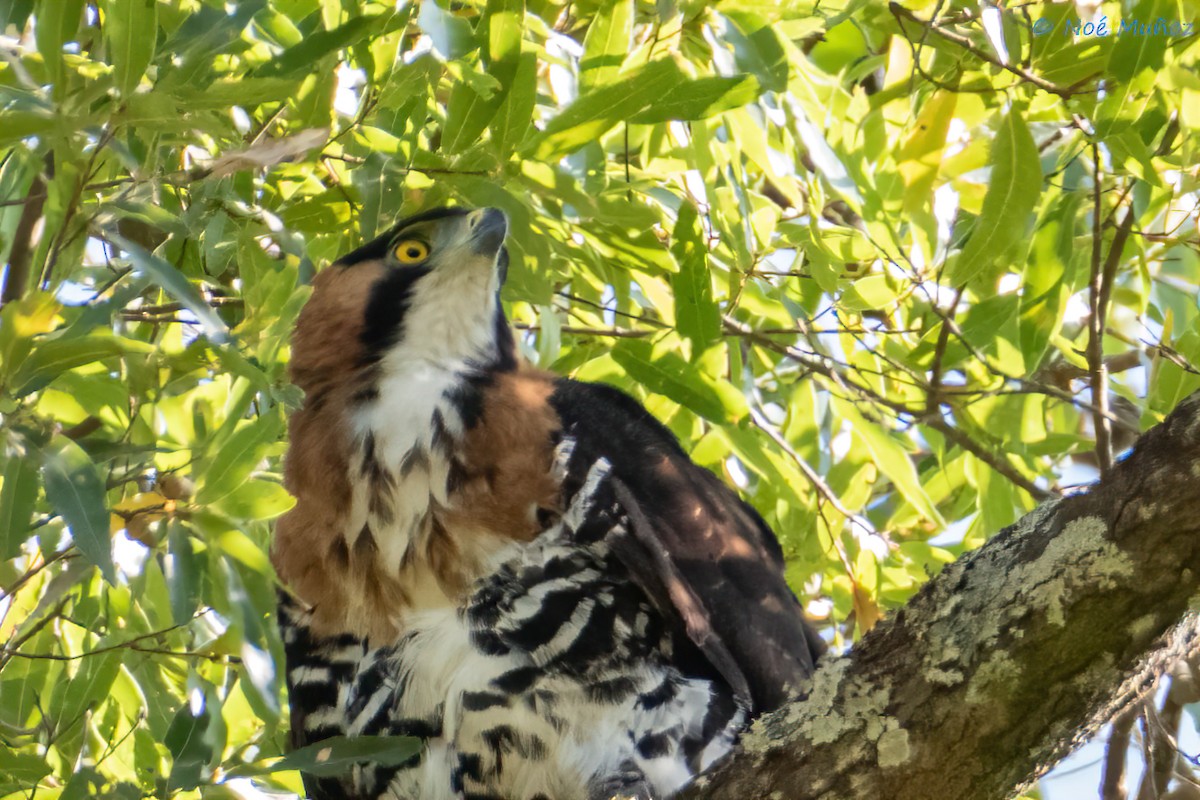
(695, 545)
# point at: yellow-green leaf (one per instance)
(237, 458)
(1013, 189)
(18, 494)
(76, 493)
(131, 27)
(667, 373)
(606, 45)
(696, 313)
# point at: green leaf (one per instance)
(312, 104)
(20, 321)
(668, 374)
(278, 28)
(870, 292)
(184, 573)
(24, 769)
(85, 782)
(696, 314)
(514, 118)
(592, 114)
(468, 114)
(256, 500)
(242, 548)
(20, 125)
(1137, 57)
(149, 214)
(452, 35)
(206, 32)
(301, 57)
(1013, 190)
(53, 358)
(18, 494)
(700, 99)
(338, 754)
(87, 688)
(921, 155)
(996, 496)
(987, 318)
(57, 23)
(1133, 52)
(504, 20)
(76, 493)
(781, 473)
(757, 49)
(1078, 60)
(15, 13)
(893, 460)
(174, 282)
(244, 92)
(1130, 154)
(187, 741)
(131, 27)
(469, 111)
(606, 45)
(657, 92)
(261, 687)
(237, 457)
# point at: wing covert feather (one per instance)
(696, 544)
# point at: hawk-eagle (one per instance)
(524, 570)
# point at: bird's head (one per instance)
(427, 291)
(390, 351)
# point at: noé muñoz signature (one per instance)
(1127, 27)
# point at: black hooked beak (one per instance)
(488, 227)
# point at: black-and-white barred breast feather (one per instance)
(525, 571)
(559, 680)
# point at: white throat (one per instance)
(448, 334)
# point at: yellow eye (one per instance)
(411, 251)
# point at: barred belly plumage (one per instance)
(558, 679)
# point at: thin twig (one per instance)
(1063, 372)
(821, 366)
(1162, 728)
(616, 333)
(61, 238)
(1112, 781)
(933, 398)
(1100, 288)
(600, 307)
(1029, 385)
(35, 570)
(9, 650)
(114, 746)
(130, 644)
(998, 462)
(902, 13)
(188, 654)
(818, 483)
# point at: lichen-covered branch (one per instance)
(998, 667)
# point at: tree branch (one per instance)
(16, 278)
(1007, 659)
(1098, 302)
